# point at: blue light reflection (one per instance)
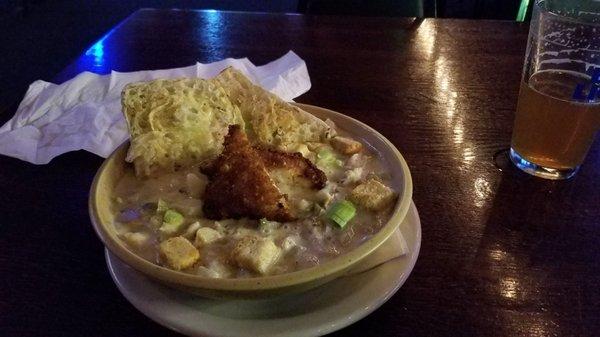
(95, 58)
(97, 52)
(211, 33)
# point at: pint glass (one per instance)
(558, 111)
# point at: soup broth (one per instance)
(141, 206)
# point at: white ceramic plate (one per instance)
(317, 312)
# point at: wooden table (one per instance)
(503, 253)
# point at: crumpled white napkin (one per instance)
(85, 112)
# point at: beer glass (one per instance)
(558, 112)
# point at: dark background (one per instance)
(40, 37)
(503, 254)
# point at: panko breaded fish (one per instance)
(295, 164)
(240, 185)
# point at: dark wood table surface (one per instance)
(503, 253)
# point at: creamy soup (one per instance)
(155, 215)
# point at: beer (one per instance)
(552, 130)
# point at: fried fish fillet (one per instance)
(295, 165)
(240, 185)
(257, 182)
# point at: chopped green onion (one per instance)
(172, 223)
(161, 206)
(262, 223)
(173, 218)
(341, 212)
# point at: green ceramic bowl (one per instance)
(114, 167)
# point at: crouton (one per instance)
(345, 145)
(206, 235)
(179, 253)
(255, 253)
(373, 195)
